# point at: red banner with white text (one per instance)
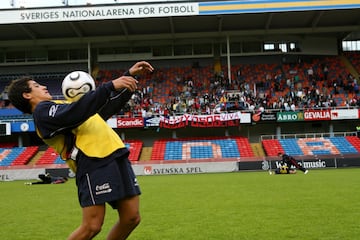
(130, 122)
(205, 121)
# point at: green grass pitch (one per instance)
(322, 205)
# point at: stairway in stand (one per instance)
(145, 154)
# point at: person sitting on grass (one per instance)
(290, 161)
(284, 169)
(48, 179)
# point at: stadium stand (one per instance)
(272, 147)
(354, 58)
(312, 146)
(291, 147)
(201, 148)
(4, 159)
(8, 145)
(51, 157)
(58, 160)
(135, 147)
(354, 141)
(158, 150)
(343, 145)
(8, 155)
(174, 82)
(25, 157)
(48, 157)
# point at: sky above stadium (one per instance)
(289, 4)
(10, 4)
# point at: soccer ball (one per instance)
(76, 84)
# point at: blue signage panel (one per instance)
(26, 126)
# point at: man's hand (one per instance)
(125, 82)
(130, 82)
(140, 68)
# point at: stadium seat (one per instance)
(8, 155)
(354, 141)
(312, 146)
(158, 150)
(201, 148)
(51, 157)
(291, 147)
(135, 147)
(272, 147)
(48, 157)
(25, 156)
(343, 145)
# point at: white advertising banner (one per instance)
(339, 114)
(98, 13)
(20, 174)
(112, 122)
(184, 168)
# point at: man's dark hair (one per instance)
(16, 89)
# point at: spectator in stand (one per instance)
(223, 101)
(190, 82)
(178, 80)
(310, 73)
(349, 86)
(5, 97)
(356, 88)
(293, 107)
(150, 90)
(332, 103)
(289, 83)
(325, 72)
(300, 94)
(335, 86)
(238, 75)
(340, 81)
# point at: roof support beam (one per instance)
(244, 33)
(316, 19)
(76, 29)
(172, 26)
(220, 23)
(28, 31)
(268, 21)
(124, 27)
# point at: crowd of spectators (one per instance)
(278, 90)
(324, 83)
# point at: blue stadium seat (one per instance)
(201, 149)
(291, 147)
(9, 155)
(58, 160)
(343, 145)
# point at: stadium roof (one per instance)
(264, 24)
